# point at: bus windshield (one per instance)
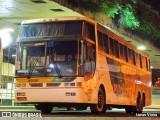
(51, 58)
(60, 28)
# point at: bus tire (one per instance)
(100, 107)
(136, 109)
(139, 105)
(143, 100)
(44, 108)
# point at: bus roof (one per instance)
(41, 20)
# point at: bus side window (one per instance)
(89, 31)
(111, 46)
(140, 57)
(137, 59)
(89, 59)
(121, 51)
(134, 58)
(106, 43)
(146, 63)
(100, 41)
(149, 64)
(126, 53)
(116, 48)
(131, 57)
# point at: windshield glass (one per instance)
(60, 28)
(52, 58)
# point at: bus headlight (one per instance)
(21, 94)
(18, 85)
(21, 85)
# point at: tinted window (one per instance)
(51, 29)
(131, 57)
(116, 48)
(89, 31)
(111, 46)
(100, 40)
(122, 52)
(147, 64)
(126, 53)
(105, 39)
(140, 57)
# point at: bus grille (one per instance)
(36, 84)
(53, 84)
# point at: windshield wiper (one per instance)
(57, 69)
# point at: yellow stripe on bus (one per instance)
(34, 80)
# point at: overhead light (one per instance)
(151, 67)
(141, 48)
(8, 29)
(5, 37)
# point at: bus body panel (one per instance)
(53, 95)
(127, 89)
(85, 93)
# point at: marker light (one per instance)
(141, 48)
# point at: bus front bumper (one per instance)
(61, 95)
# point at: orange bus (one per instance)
(77, 62)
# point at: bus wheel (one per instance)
(136, 109)
(100, 107)
(44, 108)
(139, 105)
(143, 101)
